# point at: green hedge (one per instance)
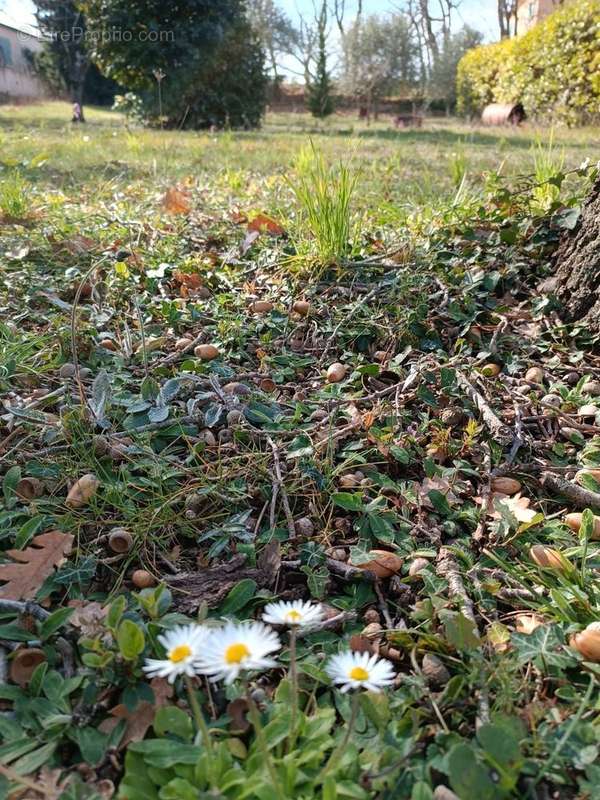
(553, 69)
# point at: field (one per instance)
(311, 363)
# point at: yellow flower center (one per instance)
(359, 674)
(293, 616)
(179, 653)
(236, 653)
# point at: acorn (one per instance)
(120, 540)
(261, 306)
(417, 565)
(237, 388)
(593, 473)
(24, 663)
(506, 485)
(206, 352)
(304, 526)
(207, 437)
(235, 416)
(588, 410)
(82, 491)
(108, 344)
(182, 343)
(534, 375)
(549, 558)
(267, 385)
(491, 370)
(349, 481)
(587, 642)
(553, 400)
(301, 307)
(574, 522)
(336, 372)
(142, 579)
(382, 563)
(67, 370)
(434, 670)
(29, 488)
(591, 387)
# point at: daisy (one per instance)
(295, 614)
(235, 647)
(183, 645)
(360, 670)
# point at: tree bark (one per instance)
(577, 262)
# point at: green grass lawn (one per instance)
(398, 168)
(230, 370)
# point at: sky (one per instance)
(479, 14)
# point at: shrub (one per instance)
(553, 69)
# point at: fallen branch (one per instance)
(496, 427)
(582, 498)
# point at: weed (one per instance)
(14, 195)
(548, 164)
(324, 194)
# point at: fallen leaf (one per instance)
(264, 224)
(518, 507)
(141, 718)
(34, 564)
(88, 617)
(177, 201)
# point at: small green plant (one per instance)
(324, 194)
(14, 199)
(548, 164)
(457, 166)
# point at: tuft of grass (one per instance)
(14, 195)
(324, 194)
(548, 165)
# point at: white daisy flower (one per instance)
(295, 613)
(235, 647)
(360, 671)
(183, 646)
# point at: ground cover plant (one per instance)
(300, 465)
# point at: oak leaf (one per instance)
(33, 565)
(177, 201)
(264, 224)
(138, 720)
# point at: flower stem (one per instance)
(294, 683)
(198, 715)
(337, 753)
(262, 743)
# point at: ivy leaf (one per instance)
(544, 647)
(460, 631)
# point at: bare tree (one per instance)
(339, 10)
(507, 18)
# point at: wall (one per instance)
(17, 82)
(530, 12)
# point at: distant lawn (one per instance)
(399, 168)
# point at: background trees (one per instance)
(208, 57)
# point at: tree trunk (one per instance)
(577, 262)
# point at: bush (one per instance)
(553, 69)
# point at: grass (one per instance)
(417, 255)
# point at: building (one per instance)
(17, 79)
(530, 12)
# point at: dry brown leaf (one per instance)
(34, 564)
(435, 484)
(264, 224)
(141, 718)
(88, 617)
(177, 201)
(518, 506)
(50, 786)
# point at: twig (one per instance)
(497, 428)
(279, 485)
(582, 498)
